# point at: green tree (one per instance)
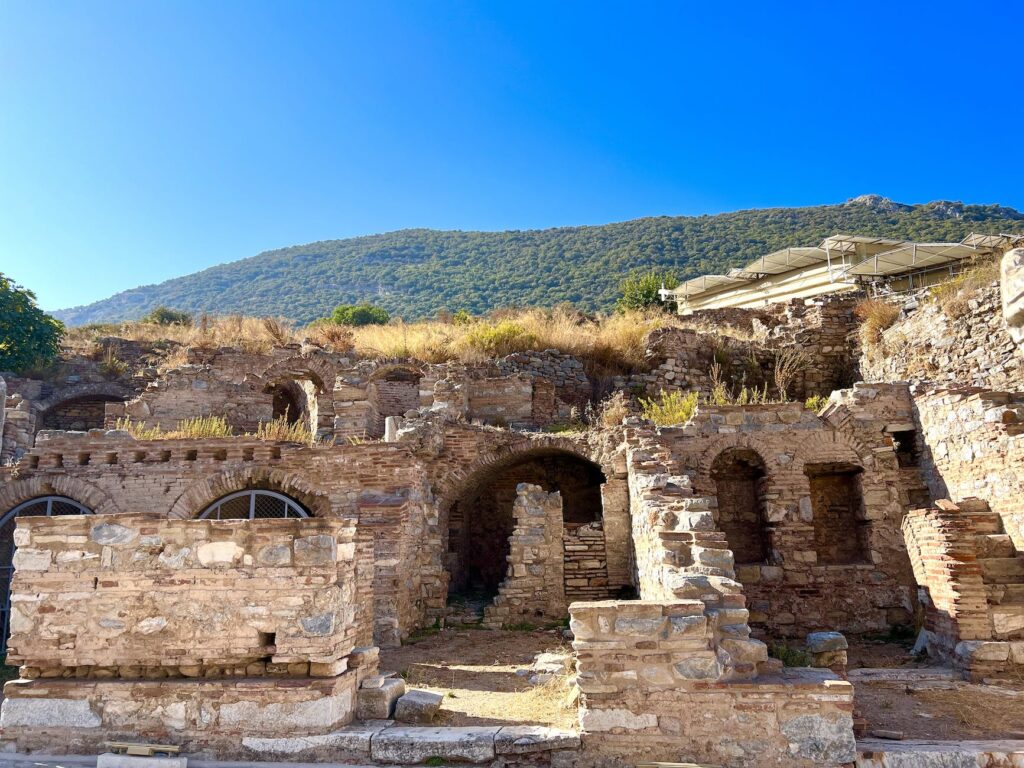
(163, 316)
(640, 290)
(28, 336)
(359, 314)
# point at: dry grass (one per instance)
(952, 296)
(217, 426)
(607, 345)
(875, 315)
(187, 429)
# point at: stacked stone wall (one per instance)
(801, 586)
(586, 564)
(968, 346)
(642, 668)
(533, 588)
(136, 596)
(382, 486)
(974, 447)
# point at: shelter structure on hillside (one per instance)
(839, 263)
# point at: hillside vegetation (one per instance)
(416, 273)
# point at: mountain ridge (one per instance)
(416, 272)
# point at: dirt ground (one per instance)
(475, 670)
(942, 711)
(966, 712)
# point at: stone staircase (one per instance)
(1002, 570)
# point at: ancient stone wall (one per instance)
(382, 486)
(185, 393)
(136, 596)
(822, 333)
(970, 346)
(649, 694)
(974, 447)
(17, 432)
(586, 564)
(571, 385)
(831, 562)
(533, 588)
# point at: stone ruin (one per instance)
(230, 595)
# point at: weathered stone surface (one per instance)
(408, 746)
(377, 702)
(47, 713)
(822, 642)
(825, 740)
(353, 740)
(528, 739)
(418, 707)
(112, 534)
(609, 719)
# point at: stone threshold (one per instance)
(901, 675)
(408, 745)
(921, 753)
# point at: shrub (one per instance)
(500, 339)
(875, 315)
(28, 336)
(613, 410)
(165, 316)
(952, 296)
(280, 429)
(788, 363)
(359, 314)
(640, 290)
(816, 402)
(790, 657)
(670, 407)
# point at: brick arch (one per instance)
(87, 494)
(109, 389)
(825, 445)
(201, 494)
(314, 367)
(457, 481)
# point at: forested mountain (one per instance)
(414, 273)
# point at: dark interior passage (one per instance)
(480, 521)
(739, 478)
(840, 533)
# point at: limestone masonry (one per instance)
(230, 594)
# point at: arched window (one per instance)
(253, 505)
(42, 506)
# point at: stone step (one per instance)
(1008, 621)
(1002, 570)
(418, 707)
(994, 545)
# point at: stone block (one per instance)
(418, 707)
(409, 746)
(527, 739)
(110, 760)
(377, 702)
(822, 642)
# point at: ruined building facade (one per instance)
(229, 594)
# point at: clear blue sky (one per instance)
(144, 140)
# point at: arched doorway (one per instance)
(739, 477)
(41, 506)
(480, 519)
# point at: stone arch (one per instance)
(85, 493)
(477, 511)
(457, 478)
(203, 493)
(284, 380)
(818, 446)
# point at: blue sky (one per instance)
(144, 140)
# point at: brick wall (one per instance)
(586, 563)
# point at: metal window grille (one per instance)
(43, 506)
(253, 505)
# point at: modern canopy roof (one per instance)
(850, 258)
